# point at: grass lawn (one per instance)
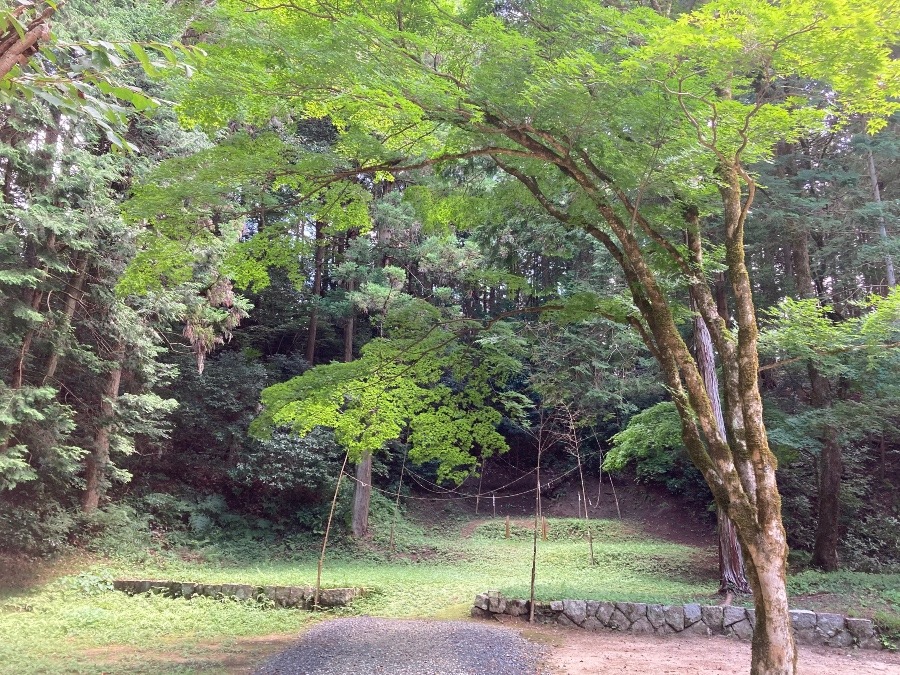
(74, 623)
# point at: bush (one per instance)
(114, 529)
(308, 465)
(40, 529)
(383, 514)
(872, 544)
(47, 529)
(652, 442)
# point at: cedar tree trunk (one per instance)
(828, 513)
(362, 496)
(98, 459)
(317, 291)
(732, 577)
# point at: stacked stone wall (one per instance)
(810, 628)
(300, 597)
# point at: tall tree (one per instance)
(611, 131)
(882, 229)
(78, 362)
(814, 237)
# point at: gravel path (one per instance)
(367, 646)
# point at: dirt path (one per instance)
(573, 652)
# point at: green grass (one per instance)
(66, 618)
(628, 566)
(854, 593)
(77, 624)
(45, 631)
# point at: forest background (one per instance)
(189, 231)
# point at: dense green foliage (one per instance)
(334, 221)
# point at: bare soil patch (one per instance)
(506, 492)
(233, 655)
(21, 573)
(573, 652)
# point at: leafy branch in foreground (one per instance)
(81, 77)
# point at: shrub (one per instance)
(308, 465)
(38, 529)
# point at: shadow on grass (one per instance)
(20, 574)
(234, 655)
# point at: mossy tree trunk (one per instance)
(738, 464)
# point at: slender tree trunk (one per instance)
(350, 326)
(349, 329)
(98, 459)
(18, 375)
(8, 174)
(721, 291)
(882, 230)
(337, 490)
(34, 299)
(317, 291)
(802, 271)
(35, 296)
(362, 496)
(538, 515)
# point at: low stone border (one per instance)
(300, 597)
(810, 628)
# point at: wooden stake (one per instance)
(507, 527)
(544, 528)
(583, 496)
(537, 514)
(478, 495)
(327, 530)
(494, 500)
(618, 510)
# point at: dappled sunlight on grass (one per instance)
(80, 612)
(433, 576)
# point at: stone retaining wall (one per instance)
(810, 628)
(300, 597)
